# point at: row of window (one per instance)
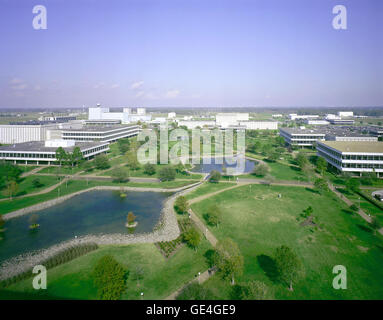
(45, 155)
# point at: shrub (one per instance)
(167, 173)
(215, 176)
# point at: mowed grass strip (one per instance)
(259, 221)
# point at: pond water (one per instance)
(93, 212)
(217, 163)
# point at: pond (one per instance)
(93, 212)
(229, 163)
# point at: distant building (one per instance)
(301, 137)
(353, 156)
(294, 116)
(316, 122)
(126, 116)
(192, 124)
(278, 115)
(341, 121)
(224, 120)
(345, 114)
(171, 115)
(44, 153)
(259, 125)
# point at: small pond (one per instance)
(217, 163)
(93, 212)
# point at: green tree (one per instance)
(255, 290)
(261, 169)
(123, 145)
(87, 166)
(321, 165)
(109, 277)
(214, 215)
(131, 217)
(119, 175)
(181, 205)
(195, 291)
(36, 183)
(321, 184)
(167, 173)
(132, 160)
(149, 169)
(375, 224)
(2, 223)
(302, 160)
(61, 155)
(101, 162)
(76, 156)
(229, 259)
(290, 268)
(279, 141)
(11, 188)
(215, 176)
(352, 185)
(192, 237)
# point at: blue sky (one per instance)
(191, 53)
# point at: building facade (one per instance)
(302, 138)
(44, 153)
(353, 156)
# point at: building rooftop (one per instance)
(356, 146)
(97, 128)
(341, 131)
(39, 146)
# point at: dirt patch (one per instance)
(334, 248)
(274, 219)
(363, 249)
(308, 222)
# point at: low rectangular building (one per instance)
(101, 133)
(301, 137)
(40, 152)
(353, 156)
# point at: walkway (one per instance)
(33, 171)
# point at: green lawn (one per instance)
(161, 276)
(76, 185)
(61, 170)
(25, 185)
(207, 188)
(140, 173)
(259, 222)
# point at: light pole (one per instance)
(142, 296)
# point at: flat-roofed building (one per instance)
(18, 133)
(259, 125)
(301, 137)
(224, 120)
(341, 121)
(44, 152)
(353, 156)
(101, 133)
(345, 113)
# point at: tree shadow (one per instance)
(312, 190)
(210, 256)
(268, 266)
(236, 292)
(364, 228)
(347, 212)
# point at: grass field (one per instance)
(259, 222)
(25, 185)
(207, 188)
(161, 276)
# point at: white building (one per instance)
(353, 156)
(95, 133)
(171, 115)
(44, 153)
(225, 120)
(192, 124)
(294, 116)
(317, 122)
(301, 137)
(259, 125)
(345, 114)
(14, 133)
(126, 116)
